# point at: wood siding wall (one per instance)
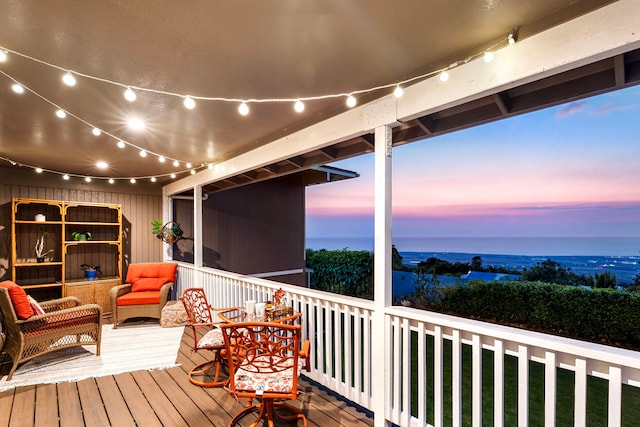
(253, 229)
(141, 203)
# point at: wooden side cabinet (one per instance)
(73, 234)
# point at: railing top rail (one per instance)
(292, 289)
(589, 350)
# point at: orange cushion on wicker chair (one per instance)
(155, 270)
(139, 298)
(19, 299)
(148, 284)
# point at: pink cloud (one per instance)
(571, 109)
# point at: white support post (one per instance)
(380, 381)
(167, 215)
(197, 231)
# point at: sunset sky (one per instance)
(571, 170)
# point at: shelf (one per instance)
(37, 264)
(43, 285)
(98, 281)
(108, 224)
(91, 242)
(25, 221)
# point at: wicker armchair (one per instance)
(145, 292)
(64, 323)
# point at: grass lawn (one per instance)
(597, 391)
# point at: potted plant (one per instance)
(169, 232)
(81, 235)
(39, 248)
(91, 272)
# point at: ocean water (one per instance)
(583, 255)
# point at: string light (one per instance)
(188, 165)
(111, 180)
(488, 56)
(153, 179)
(65, 177)
(130, 95)
(39, 170)
(132, 180)
(189, 103)
(143, 153)
(69, 78)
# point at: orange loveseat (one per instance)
(145, 292)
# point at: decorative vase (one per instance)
(91, 274)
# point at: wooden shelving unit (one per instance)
(60, 274)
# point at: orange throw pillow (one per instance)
(19, 299)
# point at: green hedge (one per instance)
(599, 315)
(343, 271)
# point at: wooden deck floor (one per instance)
(153, 398)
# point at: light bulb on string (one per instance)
(61, 114)
(39, 170)
(88, 179)
(444, 76)
(298, 106)
(193, 171)
(243, 109)
(153, 179)
(176, 163)
(17, 88)
(488, 56)
(143, 153)
(111, 180)
(130, 95)
(121, 144)
(3, 55)
(173, 176)
(398, 92)
(351, 101)
(161, 159)
(96, 131)
(188, 165)
(65, 177)
(189, 103)
(68, 79)
(132, 180)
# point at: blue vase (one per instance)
(91, 274)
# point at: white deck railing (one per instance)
(424, 347)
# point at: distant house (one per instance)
(489, 277)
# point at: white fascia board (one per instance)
(352, 123)
(607, 31)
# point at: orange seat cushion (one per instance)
(139, 298)
(150, 276)
(19, 299)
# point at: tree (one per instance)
(396, 260)
(550, 271)
(606, 280)
(476, 263)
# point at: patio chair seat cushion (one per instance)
(260, 375)
(19, 300)
(212, 339)
(139, 298)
